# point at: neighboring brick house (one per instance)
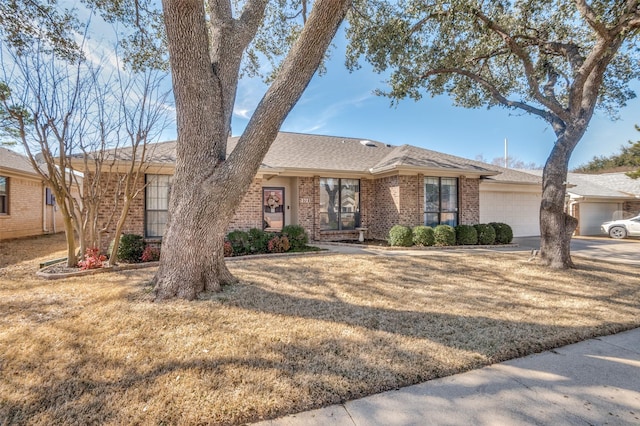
(597, 198)
(332, 186)
(27, 207)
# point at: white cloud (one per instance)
(311, 116)
(248, 95)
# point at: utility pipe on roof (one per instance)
(506, 153)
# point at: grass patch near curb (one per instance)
(296, 333)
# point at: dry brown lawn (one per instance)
(295, 334)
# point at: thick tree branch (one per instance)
(297, 70)
(590, 17)
(600, 56)
(630, 19)
(220, 11)
(493, 91)
(527, 64)
(250, 20)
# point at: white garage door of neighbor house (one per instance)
(592, 215)
(520, 210)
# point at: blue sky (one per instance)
(343, 104)
(340, 103)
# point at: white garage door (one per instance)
(520, 210)
(592, 215)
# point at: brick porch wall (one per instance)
(306, 205)
(249, 212)
(469, 209)
(134, 223)
(396, 200)
(385, 206)
(411, 200)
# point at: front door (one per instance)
(273, 209)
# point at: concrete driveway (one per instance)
(602, 248)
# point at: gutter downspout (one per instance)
(44, 210)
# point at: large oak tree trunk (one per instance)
(208, 187)
(193, 245)
(556, 226)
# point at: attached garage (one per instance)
(517, 207)
(512, 197)
(595, 199)
(591, 214)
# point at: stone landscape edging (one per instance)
(125, 267)
(57, 275)
(416, 248)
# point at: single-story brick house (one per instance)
(332, 186)
(597, 198)
(27, 206)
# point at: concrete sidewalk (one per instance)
(594, 382)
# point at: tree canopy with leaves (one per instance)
(628, 158)
(556, 60)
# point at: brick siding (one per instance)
(249, 212)
(469, 211)
(307, 204)
(25, 215)
(384, 202)
(134, 223)
(397, 200)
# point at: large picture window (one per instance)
(157, 194)
(339, 204)
(4, 195)
(440, 201)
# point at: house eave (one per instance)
(509, 182)
(304, 172)
(435, 171)
(20, 173)
(602, 198)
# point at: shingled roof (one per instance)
(12, 161)
(605, 185)
(297, 151)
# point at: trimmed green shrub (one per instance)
(239, 241)
(258, 240)
(400, 236)
(486, 234)
(131, 248)
(466, 235)
(504, 233)
(297, 236)
(423, 236)
(444, 235)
